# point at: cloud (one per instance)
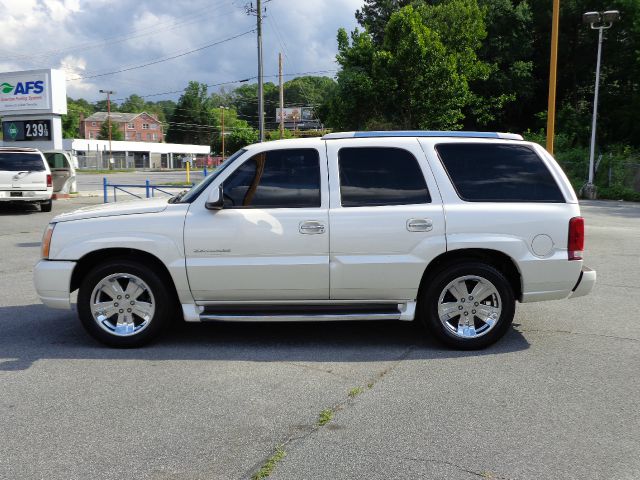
(89, 38)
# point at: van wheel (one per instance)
(468, 306)
(46, 206)
(124, 304)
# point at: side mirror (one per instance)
(215, 200)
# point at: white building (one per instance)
(95, 153)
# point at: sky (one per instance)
(91, 39)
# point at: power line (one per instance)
(161, 60)
(229, 82)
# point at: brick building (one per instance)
(135, 127)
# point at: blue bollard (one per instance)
(105, 193)
(204, 171)
(146, 186)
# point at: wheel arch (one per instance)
(96, 257)
(499, 260)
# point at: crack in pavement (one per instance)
(484, 474)
(568, 332)
(311, 429)
(317, 369)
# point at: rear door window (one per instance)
(483, 172)
(288, 178)
(21, 162)
(376, 176)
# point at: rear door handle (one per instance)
(311, 227)
(419, 225)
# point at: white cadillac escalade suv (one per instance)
(447, 228)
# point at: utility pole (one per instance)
(258, 13)
(109, 93)
(222, 109)
(281, 96)
(260, 88)
(551, 109)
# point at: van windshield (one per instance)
(21, 162)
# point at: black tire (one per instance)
(159, 295)
(483, 333)
(46, 206)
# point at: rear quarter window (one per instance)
(482, 172)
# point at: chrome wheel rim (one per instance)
(469, 306)
(122, 304)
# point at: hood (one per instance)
(112, 209)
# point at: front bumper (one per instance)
(585, 283)
(52, 280)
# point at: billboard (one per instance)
(33, 91)
(295, 114)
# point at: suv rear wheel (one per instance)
(124, 304)
(468, 305)
(46, 206)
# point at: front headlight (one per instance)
(46, 240)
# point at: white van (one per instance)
(25, 177)
(63, 170)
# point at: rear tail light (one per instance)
(575, 244)
(49, 182)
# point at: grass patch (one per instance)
(354, 392)
(178, 184)
(325, 417)
(370, 385)
(270, 465)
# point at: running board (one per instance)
(299, 312)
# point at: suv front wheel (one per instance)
(124, 303)
(468, 305)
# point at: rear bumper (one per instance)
(52, 280)
(27, 196)
(585, 284)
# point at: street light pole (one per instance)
(109, 93)
(600, 21)
(592, 147)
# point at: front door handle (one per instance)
(311, 227)
(419, 225)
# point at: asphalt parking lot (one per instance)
(555, 399)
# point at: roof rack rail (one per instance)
(422, 133)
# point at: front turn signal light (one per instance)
(46, 240)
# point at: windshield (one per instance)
(192, 194)
(21, 162)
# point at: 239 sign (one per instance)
(26, 130)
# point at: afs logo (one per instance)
(23, 88)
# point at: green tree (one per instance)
(419, 77)
(133, 104)
(71, 121)
(242, 134)
(192, 120)
(101, 106)
(375, 15)
(116, 133)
